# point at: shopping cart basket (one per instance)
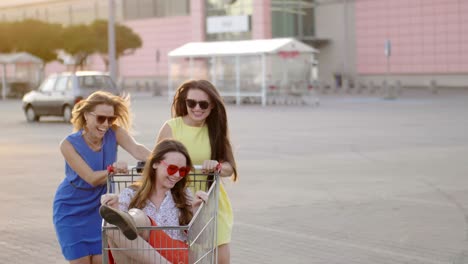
(201, 244)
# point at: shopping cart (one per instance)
(201, 244)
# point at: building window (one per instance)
(292, 18)
(63, 12)
(235, 15)
(140, 9)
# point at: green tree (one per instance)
(33, 36)
(45, 39)
(126, 40)
(6, 43)
(79, 41)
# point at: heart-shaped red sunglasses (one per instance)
(172, 169)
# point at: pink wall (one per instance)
(197, 13)
(157, 34)
(54, 66)
(95, 63)
(261, 19)
(163, 34)
(427, 36)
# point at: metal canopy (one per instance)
(15, 58)
(284, 47)
(243, 47)
(20, 57)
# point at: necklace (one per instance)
(91, 144)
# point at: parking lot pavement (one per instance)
(355, 180)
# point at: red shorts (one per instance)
(159, 239)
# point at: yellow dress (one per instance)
(197, 142)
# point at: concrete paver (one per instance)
(356, 180)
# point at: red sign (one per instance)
(288, 54)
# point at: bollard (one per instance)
(433, 87)
(399, 88)
(372, 87)
(147, 86)
(137, 86)
(156, 89)
(389, 91)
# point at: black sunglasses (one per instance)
(102, 118)
(192, 103)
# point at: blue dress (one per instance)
(76, 204)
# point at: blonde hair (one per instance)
(121, 106)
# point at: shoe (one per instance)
(120, 219)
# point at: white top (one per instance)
(166, 215)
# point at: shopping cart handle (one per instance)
(141, 164)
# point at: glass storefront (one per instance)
(139, 9)
(292, 18)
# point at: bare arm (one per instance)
(137, 150)
(212, 165)
(80, 166)
(226, 169)
(164, 132)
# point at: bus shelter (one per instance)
(26, 68)
(246, 68)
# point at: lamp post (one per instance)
(4, 83)
(111, 41)
(345, 74)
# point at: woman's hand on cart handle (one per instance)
(110, 199)
(200, 197)
(211, 166)
(120, 167)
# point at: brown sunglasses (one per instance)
(102, 118)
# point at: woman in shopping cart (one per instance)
(101, 124)
(160, 198)
(200, 123)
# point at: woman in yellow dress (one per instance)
(199, 121)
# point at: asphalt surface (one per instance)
(355, 180)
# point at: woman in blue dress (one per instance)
(101, 124)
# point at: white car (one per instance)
(57, 94)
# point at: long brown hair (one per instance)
(221, 149)
(147, 184)
(121, 109)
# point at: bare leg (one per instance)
(96, 259)
(141, 220)
(118, 255)
(83, 260)
(139, 250)
(224, 254)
